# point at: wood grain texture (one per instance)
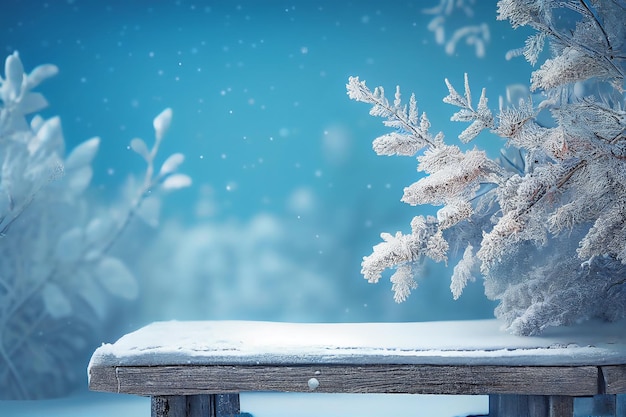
(506, 405)
(411, 379)
(195, 368)
(227, 405)
(531, 405)
(561, 406)
(221, 405)
(169, 406)
(613, 379)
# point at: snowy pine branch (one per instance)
(411, 132)
(593, 48)
(481, 118)
(535, 228)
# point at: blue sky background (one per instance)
(260, 111)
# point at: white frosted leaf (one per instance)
(98, 229)
(472, 131)
(139, 146)
(94, 297)
(162, 122)
(82, 155)
(36, 122)
(14, 73)
(171, 164)
(40, 73)
(50, 133)
(92, 255)
(5, 203)
(78, 180)
(176, 181)
(115, 277)
(55, 301)
(149, 211)
(13, 68)
(32, 102)
(463, 272)
(70, 245)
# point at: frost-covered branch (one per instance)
(533, 231)
(593, 48)
(411, 132)
(481, 118)
(56, 242)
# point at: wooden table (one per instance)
(199, 368)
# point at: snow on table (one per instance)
(478, 342)
(454, 357)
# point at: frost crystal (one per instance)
(547, 227)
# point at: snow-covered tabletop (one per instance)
(454, 357)
(443, 342)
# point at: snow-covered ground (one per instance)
(94, 404)
(262, 404)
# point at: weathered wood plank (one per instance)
(507, 405)
(198, 368)
(227, 405)
(169, 406)
(200, 405)
(412, 379)
(613, 379)
(561, 406)
(206, 405)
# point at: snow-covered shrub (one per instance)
(58, 276)
(545, 224)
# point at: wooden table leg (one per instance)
(561, 406)
(512, 405)
(226, 405)
(203, 405)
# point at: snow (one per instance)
(97, 404)
(313, 383)
(362, 405)
(451, 343)
(246, 342)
